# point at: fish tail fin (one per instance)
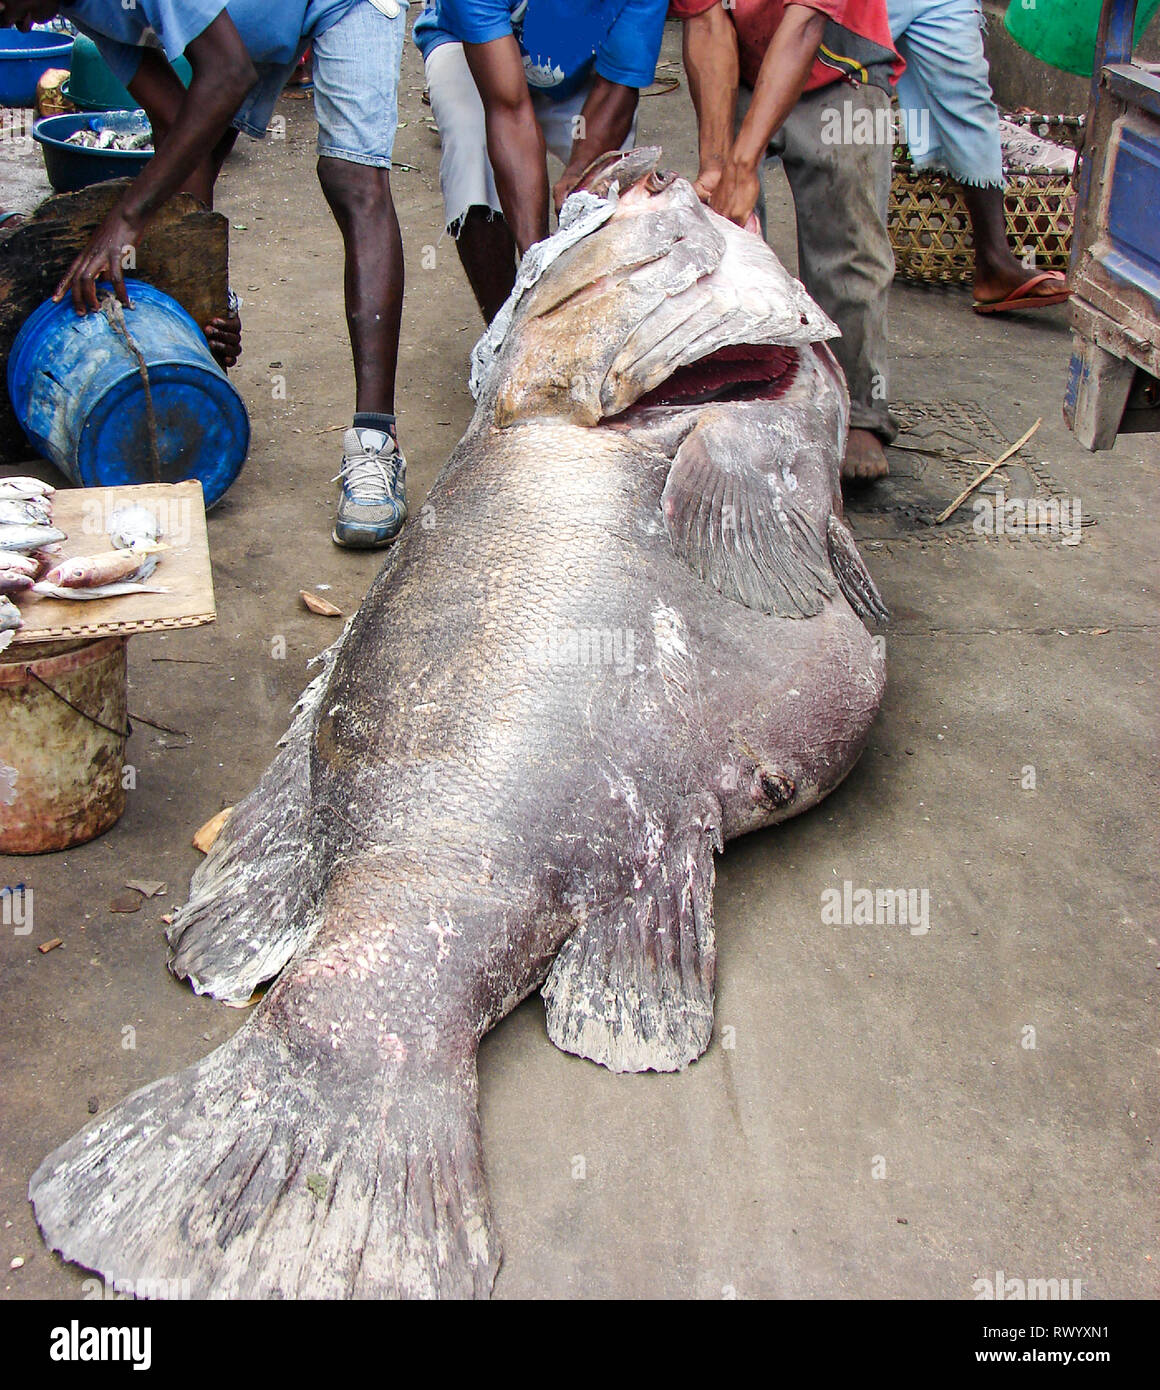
(254, 1175)
(251, 899)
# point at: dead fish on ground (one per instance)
(14, 581)
(110, 567)
(20, 564)
(636, 633)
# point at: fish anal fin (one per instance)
(739, 528)
(251, 901)
(632, 988)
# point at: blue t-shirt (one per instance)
(562, 40)
(273, 33)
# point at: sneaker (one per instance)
(372, 504)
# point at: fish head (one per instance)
(641, 281)
(646, 309)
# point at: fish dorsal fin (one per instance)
(740, 528)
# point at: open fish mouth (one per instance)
(651, 299)
(738, 373)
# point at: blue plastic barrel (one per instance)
(77, 391)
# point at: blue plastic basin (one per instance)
(70, 167)
(24, 59)
(78, 394)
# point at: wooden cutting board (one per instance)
(183, 570)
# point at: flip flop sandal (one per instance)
(1020, 299)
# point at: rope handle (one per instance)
(108, 728)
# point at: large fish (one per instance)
(628, 630)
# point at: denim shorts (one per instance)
(356, 86)
(945, 93)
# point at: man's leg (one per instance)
(471, 206)
(840, 193)
(487, 252)
(356, 76)
(360, 198)
(952, 124)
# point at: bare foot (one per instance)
(1013, 286)
(865, 458)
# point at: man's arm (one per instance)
(785, 70)
(515, 142)
(605, 121)
(222, 74)
(157, 88)
(709, 44)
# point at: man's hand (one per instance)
(705, 184)
(562, 187)
(604, 125)
(101, 259)
(736, 193)
(224, 336)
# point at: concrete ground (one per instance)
(882, 1113)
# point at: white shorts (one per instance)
(465, 173)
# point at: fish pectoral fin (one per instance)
(737, 527)
(852, 575)
(632, 988)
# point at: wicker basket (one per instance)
(930, 228)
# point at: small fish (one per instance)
(14, 581)
(25, 511)
(10, 620)
(96, 571)
(135, 529)
(24, 488)
(22, 564)
(15, 536)
(48, 590)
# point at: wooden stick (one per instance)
(982, 478)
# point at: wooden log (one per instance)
(185, 253)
